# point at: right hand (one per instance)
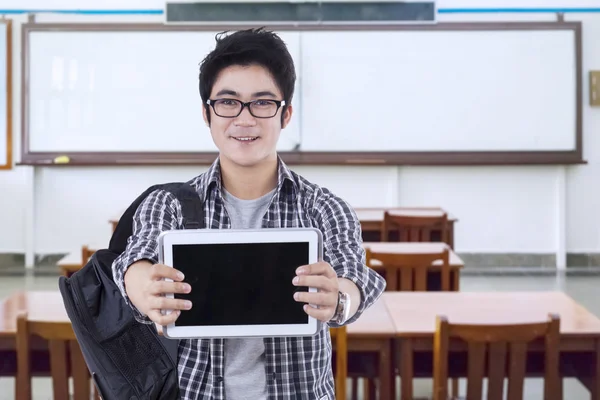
(146, 287)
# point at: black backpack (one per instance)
(127, 359)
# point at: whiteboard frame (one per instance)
(7, 26)
(533, 157)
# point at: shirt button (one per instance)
(219, 379)
(274, 375)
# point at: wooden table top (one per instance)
(74, 258)
(48, 306)
(414, 313)
(40, 306)
(375, 214)
(376, 321)
(412, 248)
(403, 314)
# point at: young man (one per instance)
(246, 86)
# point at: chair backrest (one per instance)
(408, 272)
(86, 253)
(498, 342)
(340, 338)
(66, 359)
(414, 228)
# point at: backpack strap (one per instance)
(124, 229)
(192, 210)
(191, 206)
(193, 218)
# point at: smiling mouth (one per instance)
(246, 139)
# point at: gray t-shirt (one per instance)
(245, 376)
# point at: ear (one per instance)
(205, 116)
(287, 116)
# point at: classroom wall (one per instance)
(533, 209)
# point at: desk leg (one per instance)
(406, 369)
(455, 275)
(386, 371)
(595, 384)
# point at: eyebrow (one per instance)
(230, 92)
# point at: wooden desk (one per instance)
(414, 314)
(408, 316)
(372, 333)
(39, 305)
(73, 261)
(434, 279)
(371, 220)
(113, 223)
(70, 263)
(42, 305)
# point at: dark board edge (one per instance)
(569, 157)
(314, 158)
(330, 26)
(300, 12)
(9, 96)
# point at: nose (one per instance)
(245, 118)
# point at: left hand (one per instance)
(322, 304)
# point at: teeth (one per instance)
(245, 139)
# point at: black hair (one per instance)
(256, 46)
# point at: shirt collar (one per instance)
(285, 177)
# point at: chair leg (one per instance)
(370, 392)
(455, 393)
(95, 392)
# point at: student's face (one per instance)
(246, 83)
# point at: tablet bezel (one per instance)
(168, 239)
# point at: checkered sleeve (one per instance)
(157, 213)
(343, 250)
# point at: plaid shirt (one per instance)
(296, 367)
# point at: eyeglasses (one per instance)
(231, 108)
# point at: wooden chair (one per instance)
(413, 228)
(340, 338)
(503, 341)
(408, 272)
(60, 337)
(86, 253)
(73, 262)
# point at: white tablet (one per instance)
(241, 281)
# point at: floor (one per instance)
(581, 287)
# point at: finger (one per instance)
(316, 281)
(318, 299)
(320, 268)
(322, 314)
(159, 318)
(160, 271)
(165, 303)
(166, 287)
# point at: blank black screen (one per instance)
(241, 284)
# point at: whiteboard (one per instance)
(496, 90)
(386, 90)
(124, 91)
(4, 109)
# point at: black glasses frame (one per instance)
(279, 103)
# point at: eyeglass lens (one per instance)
(258, 108)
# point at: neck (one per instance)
(249, 183)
